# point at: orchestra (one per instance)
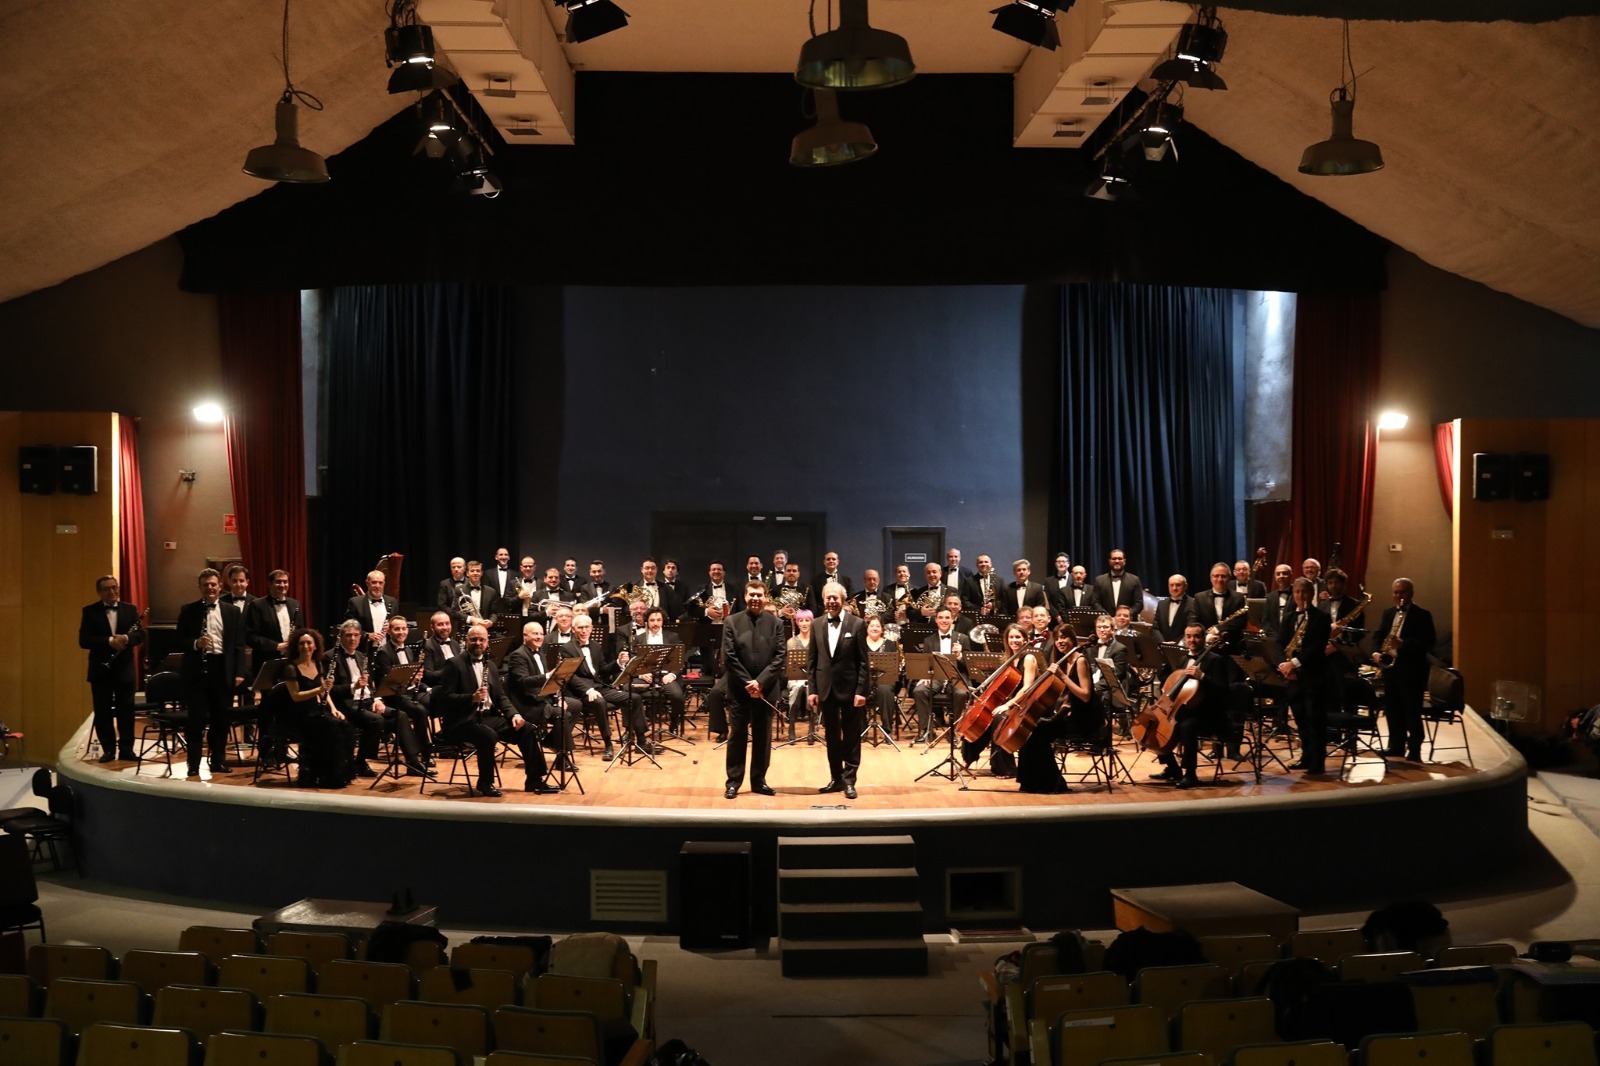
(1309, 629)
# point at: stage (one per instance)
(608, 856)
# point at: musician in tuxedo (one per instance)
(270, 619)
(840, 679)
(928, 597)
(830, 573)
(373, 608)
(1109, 656)
(715, 599)
(236, 586)
(622, 639)
(439, 647)
(780, 562)
(1249, 587)
(669, 577)
(353, 697)
(1058, 583)
(446, 598)
(1407, 633)
(1349, 691)
(476, 601)
(752, 653)
(109, 631)
(402, 712)
(1024, 591)
(1080, 593)
(236, 591)
(1117, 586)
(570, 579)
(1174, 611)
(944, 640)
(541, 597)
(872, 593)
(212, 635)
(1311, 570)
(651, 634)
(1218, 609)
(983, 591)
(1204, 713)
(1280, 601)
(501, 577)
(477, 712)
(525, 675)
(899, 593)
(526, 590)
(788, 595)
(656, 592)
(956, 576)
(589, 686)
(1305, 667)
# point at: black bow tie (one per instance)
(833, 619)
(376, 601)
(210, 606)
(649, 584)
(112, 606)
(279, 603)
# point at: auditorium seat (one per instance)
(35, 1041)
(1086, 1038)
(1291, 1053)
(1329, 945)
(334, 1020)
(550, 1032)
(1232, 952)
(453, 984)
(528, 1058)
(265, 975)
(315, 948)
(1171, 1058)
(1166, 988)
(206, 1010)
(1478, 955)
(217, 943)
(156, 969)
(602, 997)
(377, 983)
(1053, 995)
(234, 1048)
(20, 996)
(46, 962)
(1217, 1026)
(1436, 1048)
(462, 1026)
(518, 958)
(1541, 1044)
(80, 1002)
(1379, 965)
(1456, 997)
(107, 1044)
(394, 1053)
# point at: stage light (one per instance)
(854, 55)
(209, 412)
(1033, 21)
(1156, 136)
(831, 141)
(284, 159)
(439, 131)
(1199, 49)
(1393, 420)
(1112, 183)
(588, 19)
(1341, 153)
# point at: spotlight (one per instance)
(408, 45)
(1199, 48)
(1156, 137)
(284, 159)
(854, 56)
(831, 141)
(485, 185)
(439, 131)
(1341, 153)
(1112, 183)
(470, 159)
(1033, 21)
(588, 19)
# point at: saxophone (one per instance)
(1299, 632)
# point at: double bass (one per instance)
(995, 690)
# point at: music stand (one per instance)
(1111, 758)
(880, 664)
(1082, 619)
(1258, 660)
(646, 660)
(944, 668)
(555, 683)
(395, 682)
(498, 646)
(797, 667)
(654, 695)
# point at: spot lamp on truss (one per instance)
(1198, 50)
(831, 141)
(854, 55)
(588, 19)
(1156, 136)
(1033, 21)
(1112, 183)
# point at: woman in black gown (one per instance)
(1037, 769)
(302, 713)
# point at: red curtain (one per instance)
(266, 452)
(1444, 461)
(131, 561)
(1335, 429)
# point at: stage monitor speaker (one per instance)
(1532, 476)
(36, 469)
(78, 467)
(714, 894)
(1491, 476)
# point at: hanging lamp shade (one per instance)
(831, 141)
(284, 159)
(854, 55)
(1342, 153)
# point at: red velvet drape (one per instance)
(131, 561)
(1444, 461)
(1335, 435)
(266, 451)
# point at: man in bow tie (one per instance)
(109, 631)
(270, 619)
(372, 609)
(212, 636)
(840, 675)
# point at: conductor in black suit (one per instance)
(752, 652)
(109, 632)
(212, 634)
(841, 679)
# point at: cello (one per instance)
(1030, 705)
(996, 689)
(1154, 726)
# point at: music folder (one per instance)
(397, 680)
(559, 675)
(266, 677)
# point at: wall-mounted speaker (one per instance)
(78, 469)
(1491, 476)
(1531, 477)
(36, 469)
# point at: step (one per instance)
(837, 852)
(885, 957)
(895, 884)
(848, 921)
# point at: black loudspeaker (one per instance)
(79, 469)
(714, 893)
(1491, 476)
(36, 469)
(1532, 476)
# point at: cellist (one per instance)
(1205, 711)
(1066, 684)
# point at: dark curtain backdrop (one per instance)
(1335, 435)
(265, 434)
(422, 445)
(132, 562)
(1144, 455)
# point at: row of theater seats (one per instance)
(1258, 991)
(80, 1004)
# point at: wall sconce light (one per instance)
(209, 413)
(1392, 420)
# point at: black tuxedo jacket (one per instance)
(822, 579)
(1416, 641)
(261, 626)
(1132, 594)
(192, 625)
(972, 590)
(434, 661)
(1173, 634)
(734, 597)
(491, 577)
(669, 598)
(1252, 590)
(1211, 698)
(1354, 629)
(106, 664)
(1205, 612)
(1034, 596)
(1312, 651)
(1280, 602)
(340, 694)
(1116, 651)
(573, 584)
(488, 604)
(241, 602)
(453, 699)
(837, 676)
(1086, 597)
(525, 675)
(386, 657)
(752, 650)
(445, 600)
(360, 608)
